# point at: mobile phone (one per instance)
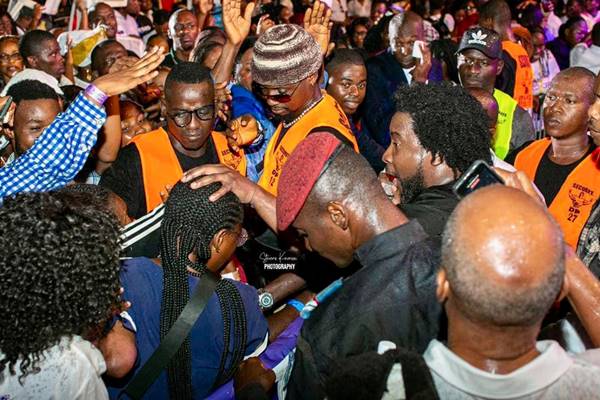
(479, 175)
(417, 53)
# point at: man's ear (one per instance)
(163, 106)
(564, 289)
(443, 287)
(32, 62)
(217, 241)
(500, 67)
(314, 77)
(338, 215)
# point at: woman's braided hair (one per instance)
(189, 225)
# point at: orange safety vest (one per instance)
(327, 114)
(523, 93)
(574, 202)
(160, 166)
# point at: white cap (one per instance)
(33, 75)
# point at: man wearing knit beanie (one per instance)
(286, 68)
(332, 196)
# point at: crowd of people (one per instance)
(227, 199)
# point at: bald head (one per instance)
(579, 78)
(404, 30)
(498, 12)
(503, 256)
(407, 24)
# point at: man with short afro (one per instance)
(437, 132)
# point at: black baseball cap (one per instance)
(482, 39)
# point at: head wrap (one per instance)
(300, 173)
(284, 55)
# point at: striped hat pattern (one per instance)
(284, 55)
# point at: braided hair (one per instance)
(189, 225)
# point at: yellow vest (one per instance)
(506, 112)
(160, 166)
(327, 114)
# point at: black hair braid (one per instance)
(189, 224)
(232, 309)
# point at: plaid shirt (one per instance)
(58, 154)
(588, 248)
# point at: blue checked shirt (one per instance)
(58, 154)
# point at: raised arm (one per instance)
(237, 27)
(584, 295)
(60, 152)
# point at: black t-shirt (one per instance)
(125, 178)
(550, 176)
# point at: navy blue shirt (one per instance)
(142, 280)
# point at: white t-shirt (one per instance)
(553, 375)
(126, 25)
(356, 9)
(70, 370)
(587, 57)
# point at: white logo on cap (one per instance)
(478, 38)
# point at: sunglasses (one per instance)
(279, 98)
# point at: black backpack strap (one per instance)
(174, 339)
(418, 382)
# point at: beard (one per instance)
(412, 187)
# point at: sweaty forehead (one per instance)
(189, 95)
(40, 109)
(185, 17)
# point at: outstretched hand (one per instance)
(317, 23)
(231, 181)
(237, 26)
(140, 72)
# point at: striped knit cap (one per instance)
(284, 55)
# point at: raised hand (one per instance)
(317, 23)
(264, 23)
(205, 6)
(237, 26)
(222, 97)
(125, 79)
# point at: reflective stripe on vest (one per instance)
(575, 200)
(506, 112)
(160, 166)
(325, 114)
(523, 92)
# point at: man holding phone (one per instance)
(437, 132)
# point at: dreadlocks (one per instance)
(190, 223)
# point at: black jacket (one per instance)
(392, 297)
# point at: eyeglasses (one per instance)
(6, 58)
(184, 118)
(181, 27)
(280, 97)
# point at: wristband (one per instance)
(96, 94)
(298, 305)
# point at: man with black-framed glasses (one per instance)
(153, 162)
